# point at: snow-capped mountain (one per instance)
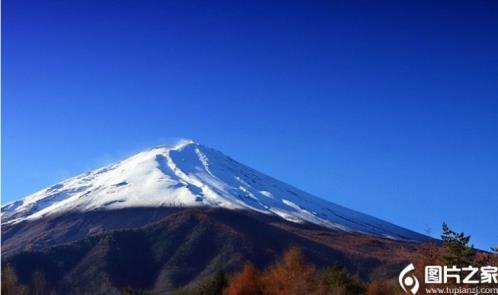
(191, 175)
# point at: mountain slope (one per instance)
(184, 246)
(191, 175)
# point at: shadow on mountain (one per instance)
(161, 249)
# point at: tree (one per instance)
(292, 275)
(214, 285)
(247, 282)
(10, 284)
(457, 250)
(336, 280)
(428, 253)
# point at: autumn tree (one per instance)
(428, 253)
(247, 282)
(486, 258)
(292, 275)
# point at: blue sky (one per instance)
(386, 107)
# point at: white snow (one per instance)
(186, 175)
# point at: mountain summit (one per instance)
(189, 174)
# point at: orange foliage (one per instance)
(291, 276)
(382, 288)
(246, 282)
(426, 254)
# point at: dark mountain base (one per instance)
(162, 249)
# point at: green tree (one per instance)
(214, 285)
(337, 280)
(457, 250)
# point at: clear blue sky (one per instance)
(390, 108)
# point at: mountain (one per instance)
(167, 217)
(183, 247)
(191, 175)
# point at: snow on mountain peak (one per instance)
(188, 174)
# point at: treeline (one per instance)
(292, 274)
(455, 250)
